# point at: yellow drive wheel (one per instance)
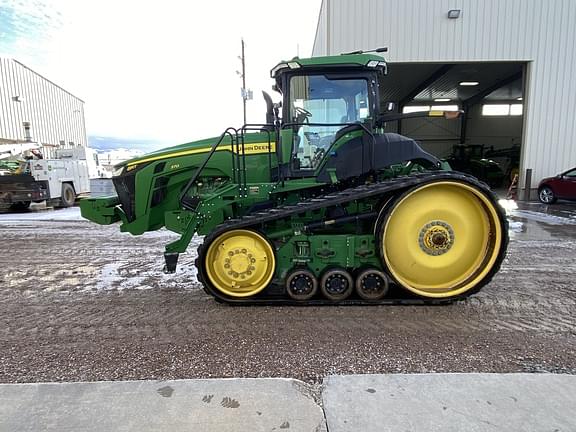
(441, 239)
(240, 263)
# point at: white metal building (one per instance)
(518, 54)
(55, 116)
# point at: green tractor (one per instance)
(470, 158)
(319, 204)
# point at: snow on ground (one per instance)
(58, 251)
(71, 254)
(117, 276)
(515, 226)
(549, 219)
(68, 214)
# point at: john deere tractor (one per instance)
(318, 204)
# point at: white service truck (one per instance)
(58, 181)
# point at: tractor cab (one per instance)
(322, 97)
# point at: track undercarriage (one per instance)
(427, 238)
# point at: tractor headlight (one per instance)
(118, 170)
(378, 64)
(287, 65)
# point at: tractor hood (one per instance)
(253, 143)
(132, 195)
(148, 186)
(193, 147)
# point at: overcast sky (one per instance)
(158, 70)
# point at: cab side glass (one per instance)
(332, 103)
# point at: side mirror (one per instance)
(269, 108)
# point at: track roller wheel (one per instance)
(443, 239)
(336, 284)
(240, 263)
(301, 284)
(371, 284)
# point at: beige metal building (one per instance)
(53, 117)
(508, 63)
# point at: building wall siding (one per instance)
(55, 115)
(541, 33)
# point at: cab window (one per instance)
(332, 102)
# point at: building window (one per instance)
(444, 108)
(420, 108)
(502, 109)
(516, 109)
(415, 108)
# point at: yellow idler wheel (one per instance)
(441, 239)
(240, 263)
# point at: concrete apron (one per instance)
(181, 405)
(419, 402)
(451, 402)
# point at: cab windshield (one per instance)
(326, 100)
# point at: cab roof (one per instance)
(370, 61)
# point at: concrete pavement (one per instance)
(451, 402)
(223, 405)
(397, 402)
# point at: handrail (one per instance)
(265, 127)
(360, 125)
(238, 152)
(205, 162)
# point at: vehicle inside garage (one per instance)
(486, 141)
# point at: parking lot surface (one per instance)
(82, 302)
(436, 402)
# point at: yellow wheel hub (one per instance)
(436, 238)
(240, 263)
(441, 239)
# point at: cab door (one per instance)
(317, 107)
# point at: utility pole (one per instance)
(246, 93)
(243, 81)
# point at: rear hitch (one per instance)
(171, 259)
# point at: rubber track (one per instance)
(254, 220)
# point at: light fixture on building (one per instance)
(454, 13)
(442, 100)
(27, 135)
(469, 83)
(519, 99)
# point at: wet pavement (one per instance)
(82, 302)
(535, 221)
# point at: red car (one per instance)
(563, 186)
